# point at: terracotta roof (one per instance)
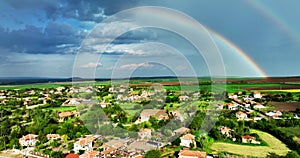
(49, 136)
(181, 130)
(240, 113)
(198, 154)
(68, 113)
(107, 151)
(29, 137)
(72, 156)
(145, 130)
(90, 154)
(152, 112)
(85, 141)
(188, 136)
(248, 137)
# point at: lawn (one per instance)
(274, 146)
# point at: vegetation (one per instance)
(274, 146)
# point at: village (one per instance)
(132, 121)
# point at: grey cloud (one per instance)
(55, 38)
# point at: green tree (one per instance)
(153, 154)
(57, 154)
(292, 154)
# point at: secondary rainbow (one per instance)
(274, 17)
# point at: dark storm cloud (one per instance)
(55, 38)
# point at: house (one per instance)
(241, 115)
(249, 139)
(28, 140)
(177, 115)
(233, 96)
(258, 106)
(187, 140)
(180, 131)
(275, 114)
(147, 113)
(257, 94)
(85, 144)
(145, 133)
(232, 106)
(154, 144)
(63, 115)
(183, 98)
(113, 144)
(226, 131)
(91, 154)
(191, 154)
(52, 136)
(71, 101)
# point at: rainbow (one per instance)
(274, 17)
(239, 52)
(181, 20)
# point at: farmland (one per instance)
(274, 146)
(62, 108)
(286, 106)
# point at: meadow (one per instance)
(291, 131)
(274, 146)
(62, 108)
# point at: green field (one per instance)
(230, 87)
(62, 108)
(294, 131)
(274, 146)
(38, 85)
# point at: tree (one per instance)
(292, 154)
(57, 154)
(153, 154)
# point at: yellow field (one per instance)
(283, 90)
(274, 146)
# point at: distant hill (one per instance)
(30, 80)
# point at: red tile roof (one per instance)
(72, 156)
(29, 137)
(198, 154)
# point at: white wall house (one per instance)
(28, 140)
(85, 144)
(187, 140)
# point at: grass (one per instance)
(62, 108)
(230, 87)
(38, 85)
(291, 131)
(274, 146)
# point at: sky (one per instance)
(94, 38)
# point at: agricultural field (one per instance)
(286, 106)
(232, 87)
(274, 146)
(30, 86)
(62, 108)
